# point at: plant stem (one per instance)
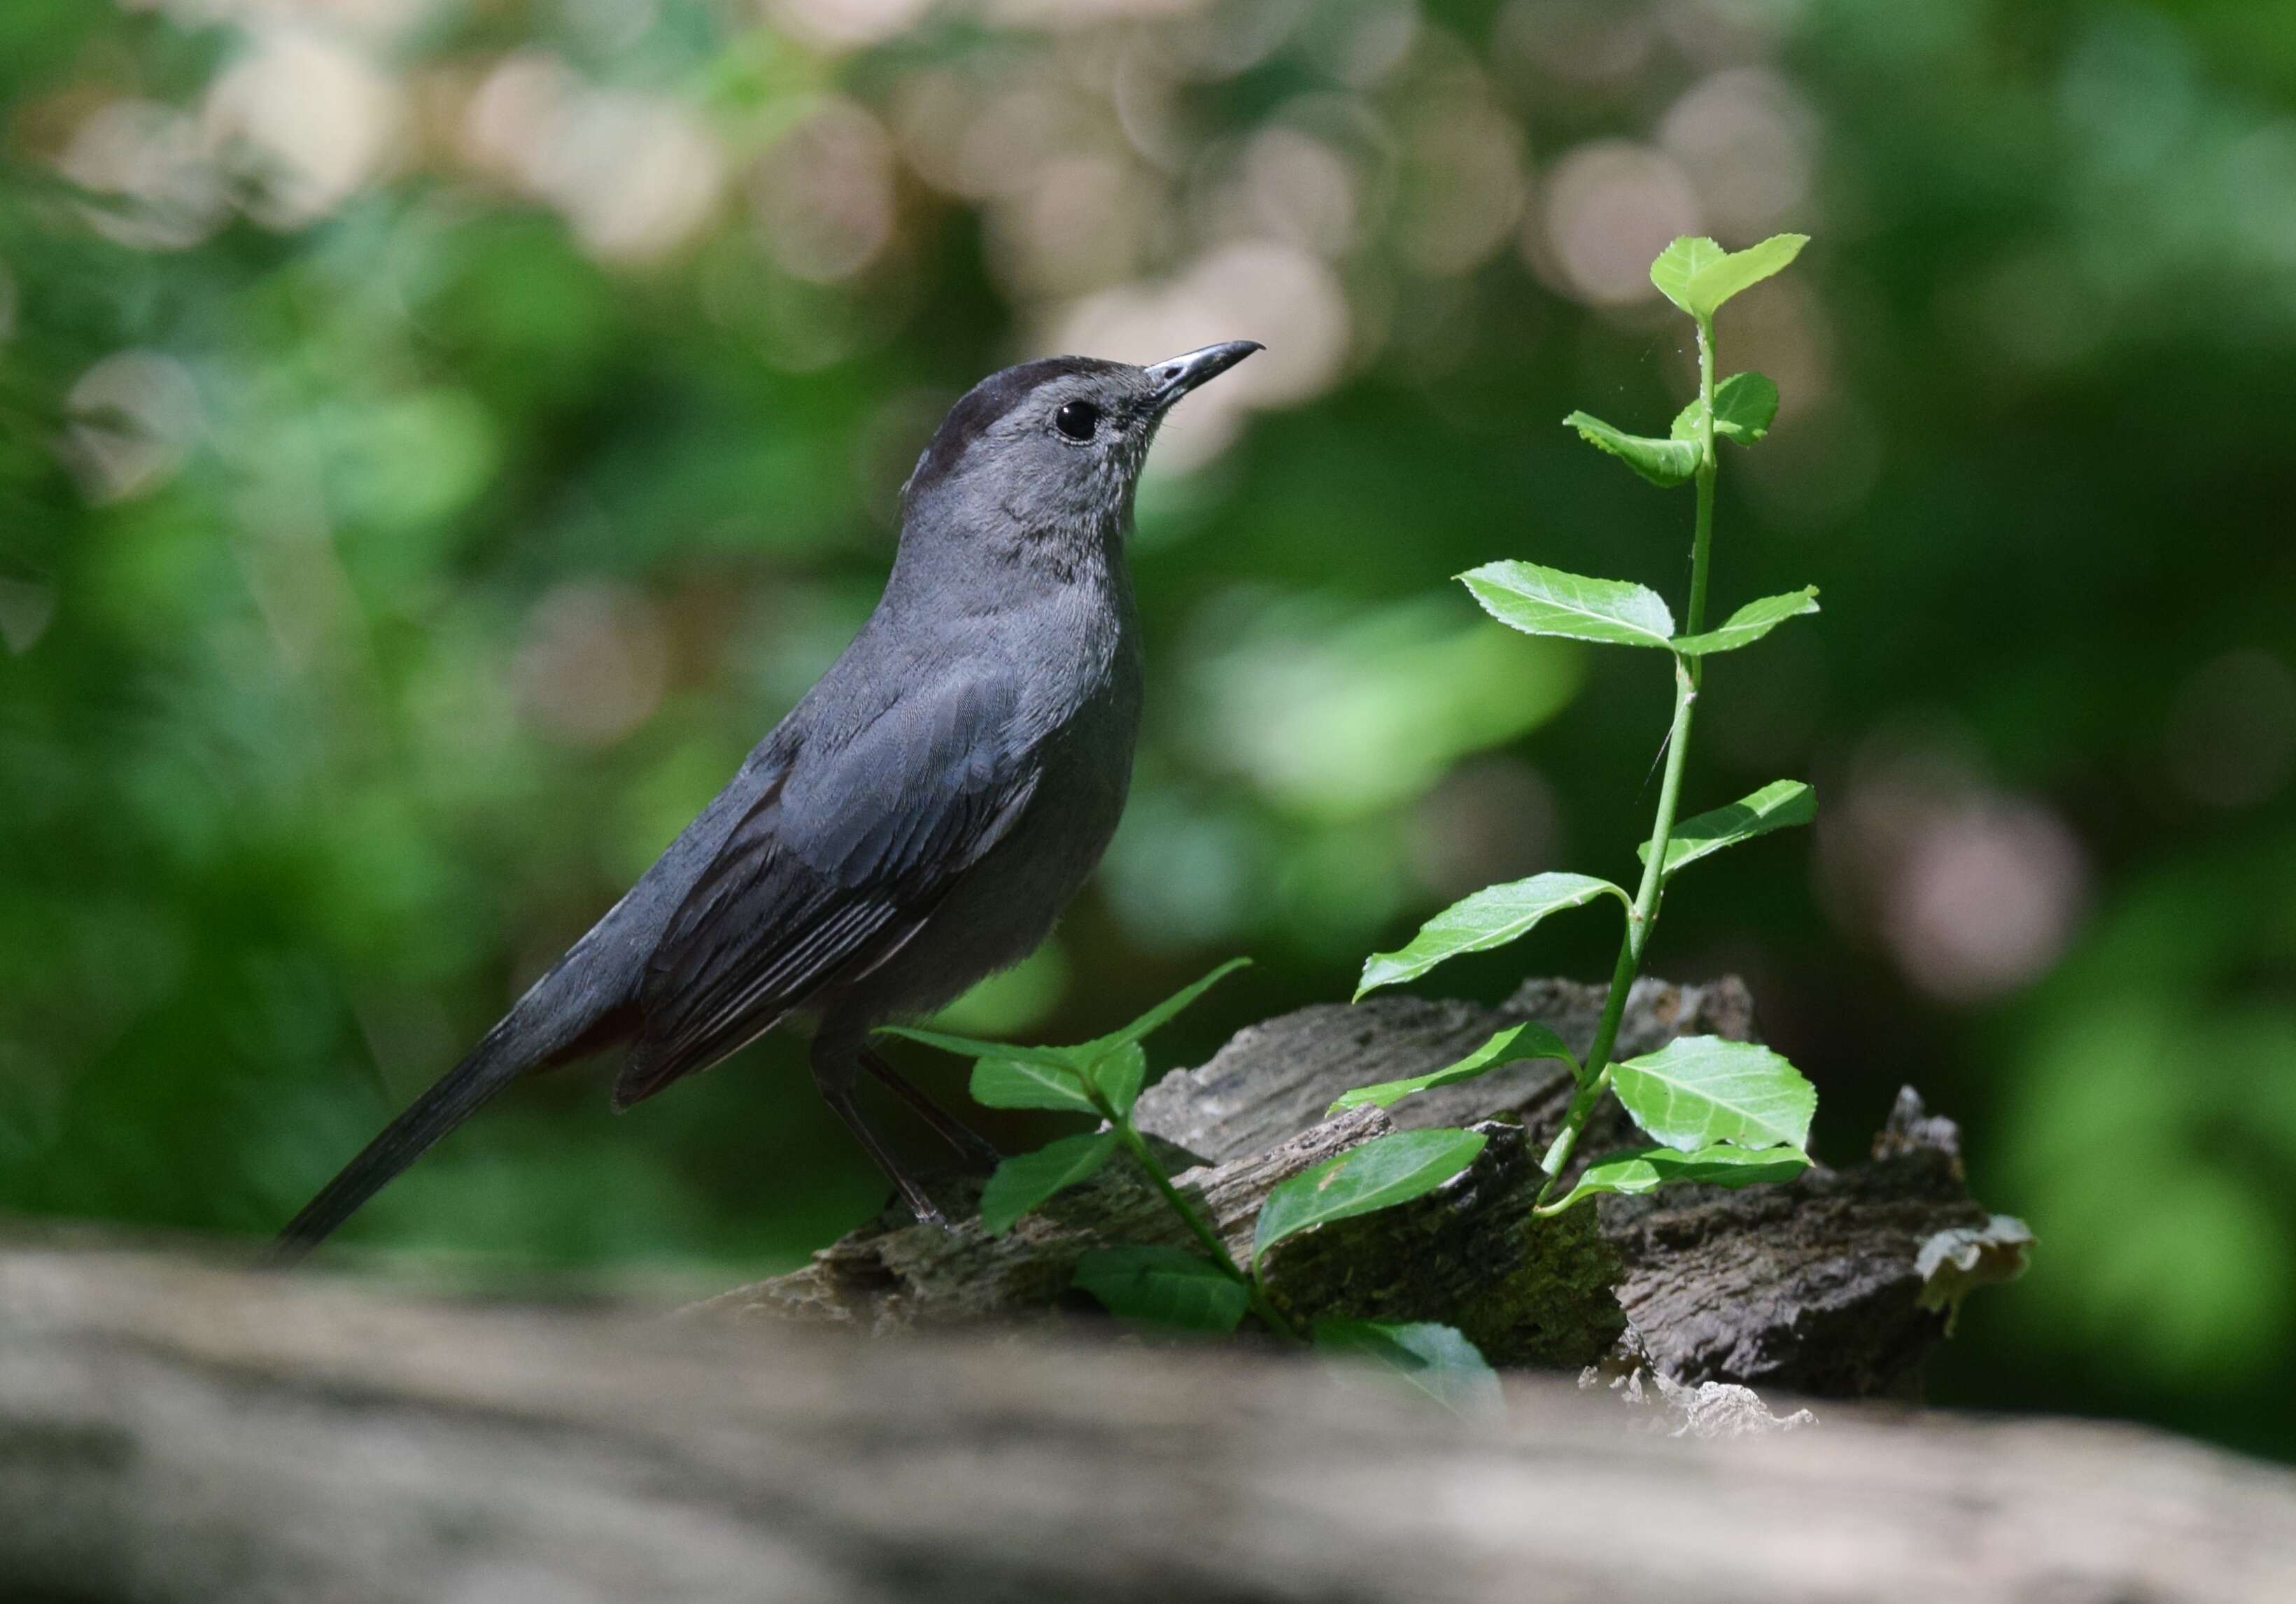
(1642, 918)
(1702, 538)
(1130, 1140)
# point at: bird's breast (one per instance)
(1078, 654)
(1085, 695)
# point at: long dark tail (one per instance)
(459, 1094)
(559, 1020)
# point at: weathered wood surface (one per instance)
(1811, 1285)
(1527, 1292)
(175, 1433)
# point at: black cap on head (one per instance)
(1130, 399)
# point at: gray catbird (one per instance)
(919, 819)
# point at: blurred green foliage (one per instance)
(437, 438)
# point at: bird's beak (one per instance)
(1175, 378)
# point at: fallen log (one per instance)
(174, 1432)
(1814, 1285)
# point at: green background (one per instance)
(438, 436)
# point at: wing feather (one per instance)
(835, 868)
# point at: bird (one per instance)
(919, 818)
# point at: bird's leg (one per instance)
(833, 1075)
(952, 1130)
(840, 1102)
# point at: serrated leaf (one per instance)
(1666, 463)
(1164, 1013)
(1547, 601)
(1165, 1286)
(1698, 1092)
(1750, 623)
(1437, 1360)
(1384, 1171)
(1742, 270)
(1679, 263)
(1646, 1169)
(1744, 403)
(1022, 1182)
(1744, 407)
(1009, 1083)
(1490, 918)
(1530, 1040)
(1698, 275)
(1777, 805)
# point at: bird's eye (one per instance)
(1078, 420)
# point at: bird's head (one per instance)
(1052, 449)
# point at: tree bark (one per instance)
(1812, 1286)
(174, 1433)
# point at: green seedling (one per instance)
(1724, 1113)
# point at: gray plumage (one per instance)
(918, 820)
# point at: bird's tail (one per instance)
(561, 1019)
(459, 1094)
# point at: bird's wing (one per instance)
(835, 868)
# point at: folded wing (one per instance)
(835, 867)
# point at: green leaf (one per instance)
(1531, 1040)
(1776, 806)
(1696, 1092)
(1022, 1182)
(1491, 917)
(1164, 1013)
(1750, 623)
(1051, 1057)
(1546, 601)
(1744, 403)
(1009, 1083)
(1006, 1076)
(1646, 1169)
(1698, 275)
(1678, 265)
(1166, 1286)
(1741, 270)
(1386, 1170)
(1666, 463)
(1118, 1073)
(1438, 1359)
